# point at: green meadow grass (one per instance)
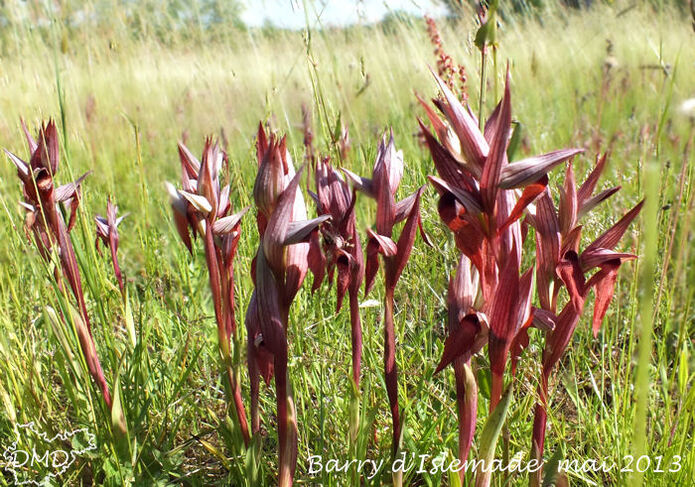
(122, 104)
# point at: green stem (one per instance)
(481, 98)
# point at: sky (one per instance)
(290, 13)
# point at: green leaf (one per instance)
(551, 470)
(484, 382)
(488, 440)
(253, 462)
(129, 322)
(515, 141)
(683, 370)
(118, 422)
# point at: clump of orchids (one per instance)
(482, 200)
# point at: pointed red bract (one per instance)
(612, 236)
(604, 289)
(497, 158)
(526, 171)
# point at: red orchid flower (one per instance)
(468, 333)
(203, 207)
(342, 248)
(51, 233)
(558, 239)
(278, 270)
(383, 185)
(107, 231)
(482, 197)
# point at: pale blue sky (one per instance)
(290, 13)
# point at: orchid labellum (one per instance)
(283, 258)
(383, 185)
(51, 233)
(203, 208)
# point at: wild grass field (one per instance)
(611, 78)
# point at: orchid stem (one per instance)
(255, 380)
(539, 424)
(287, 423)
(496, 390)
(467, 405)
(222, 336)
(356, 325)
(391, 370)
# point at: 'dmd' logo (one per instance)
(40, 458)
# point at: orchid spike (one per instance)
(287, 239)
(468, 332)
(107, 231)
(383, 185)
(342, 249)
(563, 265)
(482, 198)
(51, 233)
(203, 208)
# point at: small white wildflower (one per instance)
(687, 108)
(370, 303)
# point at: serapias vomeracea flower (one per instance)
(382, 187)
(342, 250)
(51, 233)
(468, 331)
(561, 263)
(203, 208)
(107, 231)
(482, 197)
(287, 249)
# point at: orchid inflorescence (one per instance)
(482, 200)
(382, 187)
(288, 248)
(203, 208)
(51, 233)
(107, 232)
(342, 249)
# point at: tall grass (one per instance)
(126, 100)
